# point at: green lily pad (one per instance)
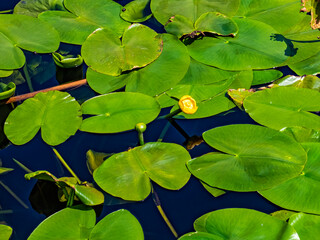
(179, 26)
(7, 90)
(282, 15)
(95, 159)
(238, 95)
(120, 225)
(5, 232)
(5, 73)
(237, 223)
(300, 193)
(15, 34)
(67, 61)
(265, 76)
(5, 170)
(57, 114)
(216, 192)
(238, 53)
(106, 53)
(301, 134)
(84, 18)
(34, 7)
(309, 81)
(118, 112)
(306, 225)
(283, 215)
(284, 107)
(309, 66)
(136, 11)
(127, 174)
(69, 223)
(257, 158)
(165, 9)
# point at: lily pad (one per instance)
(5, 73)
(257, 158)
(301, 134)
(127, 175)
(300, 193)
(106, 53)
(118, 112)
(216, 192)
(284, 107)
(309, 66)
(57, 114)
(237, 223)
(283, 215)
(95, 159)
(136, 11)
(85, 17)
(179, 26)
(34, 7)
(67, 61)
(238, 53)
(165, 9)
(5, 232)
(306, 225)
(15, 34)
(265, 76)
(7, 90)
(310, 81)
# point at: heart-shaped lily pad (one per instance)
(136, 11)
(239, 53)
(257, 158)
(84, 17)
(106, 53)
(15, 34)
(118, 112)
(300, 193)
(57, 114)
(284, 107)
(127, 175)
(237, 223)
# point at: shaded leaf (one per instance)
(136, 11)
(57, 114)
(95, 159)
(284, 107)
(257, 158)
(118, 112)
(238, 95)
(7, 90)
(127, 175)
(265, 76)
(5, 170)
(216, 192)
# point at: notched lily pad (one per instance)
(56, 113)
(118, 112)
(127, 175)
(256, 158)
(106, 53)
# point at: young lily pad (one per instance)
(5, 232)
(238, 53)
(85, 17)
(165, 9)
(118, 112)
(256, 158)
(238, 95)
(127, 175)
(95, 159)
(106, 53)
(216, 192)
(309, 81)
(306, 225)
(265, 76)
(284, 107)
(67, 61)
(179, 26)
(5, 73)
(57, 114)
(15, 34)
(300, 193)
(237, 223)
(7, 90)
(309, 66)
(5, 170)
(136, 11)
(34, 7)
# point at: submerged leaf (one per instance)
(256, 158)
(57, 114)
(127, 175)
(5, 170)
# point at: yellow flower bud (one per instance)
(188, 105)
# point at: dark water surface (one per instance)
(182, 207)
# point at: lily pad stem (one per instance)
(26, 74)
(172, 114)
(6, 11)
(66, 165)
(164, 132)
(22, 166)
(13, 195)
(157, 202)
(179, 129)
(141, 139)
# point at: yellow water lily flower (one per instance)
(188, 105)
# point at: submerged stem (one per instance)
(6, 11)
(26, 74)
(164, 132)
(179, 129)
(13, 195)
(157, 202)
(22, 166)
(66, 165)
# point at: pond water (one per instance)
(182, 207)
